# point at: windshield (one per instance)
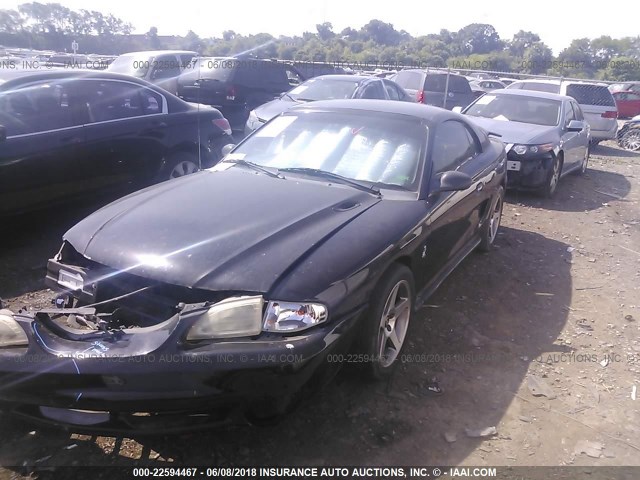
(131, 65)
(517, 108)
(324, 89)
(385, 150)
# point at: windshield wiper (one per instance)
(285, 94)
(333, 176)
(255, 166)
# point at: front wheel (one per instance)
(387, 322)
(553, 177)
(585, 162)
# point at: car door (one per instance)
(570, 140)
(452, 217)
(394, 92)
(126, 133)
(583, 135)
(39, 156)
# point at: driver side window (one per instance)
(453, 145)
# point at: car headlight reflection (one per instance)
(11, 333)
(522, 149)
(232, 317)
(293, 316)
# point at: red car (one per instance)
(628, 104)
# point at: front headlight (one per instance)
(11, 333)
(232, 317)
(293, 316)
(253, 123)
(522, 149)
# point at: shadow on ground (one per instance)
(578, 193)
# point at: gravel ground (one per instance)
(534, 345)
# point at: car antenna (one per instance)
(198, 120)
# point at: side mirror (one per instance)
(457, 109)
(575, 126)
(453, 182)
(3, 133)
(227, 149)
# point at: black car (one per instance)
(237, 85)
(327, 87)
(339, 219)
(629, 135)
(546, 135)
(70, 133)
(437, 88)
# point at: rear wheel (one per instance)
(387, 321)
(179, 165)
(553, 177)
(489, 230)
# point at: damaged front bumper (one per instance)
(150, 380)
(528, 172)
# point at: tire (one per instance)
(585, 161)
(489, 230)
(553, 177)
(383, 322)
(630, 139)
(179, 165)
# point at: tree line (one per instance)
(52, 26)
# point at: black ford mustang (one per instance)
(225, 291)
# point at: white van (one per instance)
(595, 100)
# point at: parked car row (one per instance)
(316, 236)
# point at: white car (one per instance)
(161, 67)
(595, 100)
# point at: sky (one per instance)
(556, 22)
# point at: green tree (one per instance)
(325, 31)
(479, 38)
(521, 41)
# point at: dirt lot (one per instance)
(538, 339)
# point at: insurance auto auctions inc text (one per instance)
(377, 472)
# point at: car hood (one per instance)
(218, 230)
(516, 132)
(275, 107)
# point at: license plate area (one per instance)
(70, 280)
(513, 165)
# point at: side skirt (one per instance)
(427, 291)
